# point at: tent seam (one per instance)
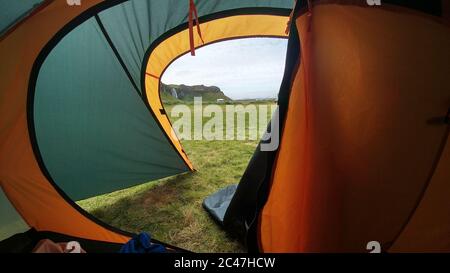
(116, 53)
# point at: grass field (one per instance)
(170, 209)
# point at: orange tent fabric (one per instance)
(359, 150)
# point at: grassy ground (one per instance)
(170, 209)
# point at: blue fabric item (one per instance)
(217, 204)
(142, 243)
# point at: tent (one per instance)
(363, 109)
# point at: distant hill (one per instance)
(173, 93)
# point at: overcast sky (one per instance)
(245, 68)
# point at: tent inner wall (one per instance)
(359, 147)
(41, 205)
(12, 13)
(93, 130)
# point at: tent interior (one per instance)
(363, 110)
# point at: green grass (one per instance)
(170, 209)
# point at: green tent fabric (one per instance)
(134, 25)
(94, 132)
(10, 221)
(13, 11)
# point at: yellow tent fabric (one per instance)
(232, 27)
